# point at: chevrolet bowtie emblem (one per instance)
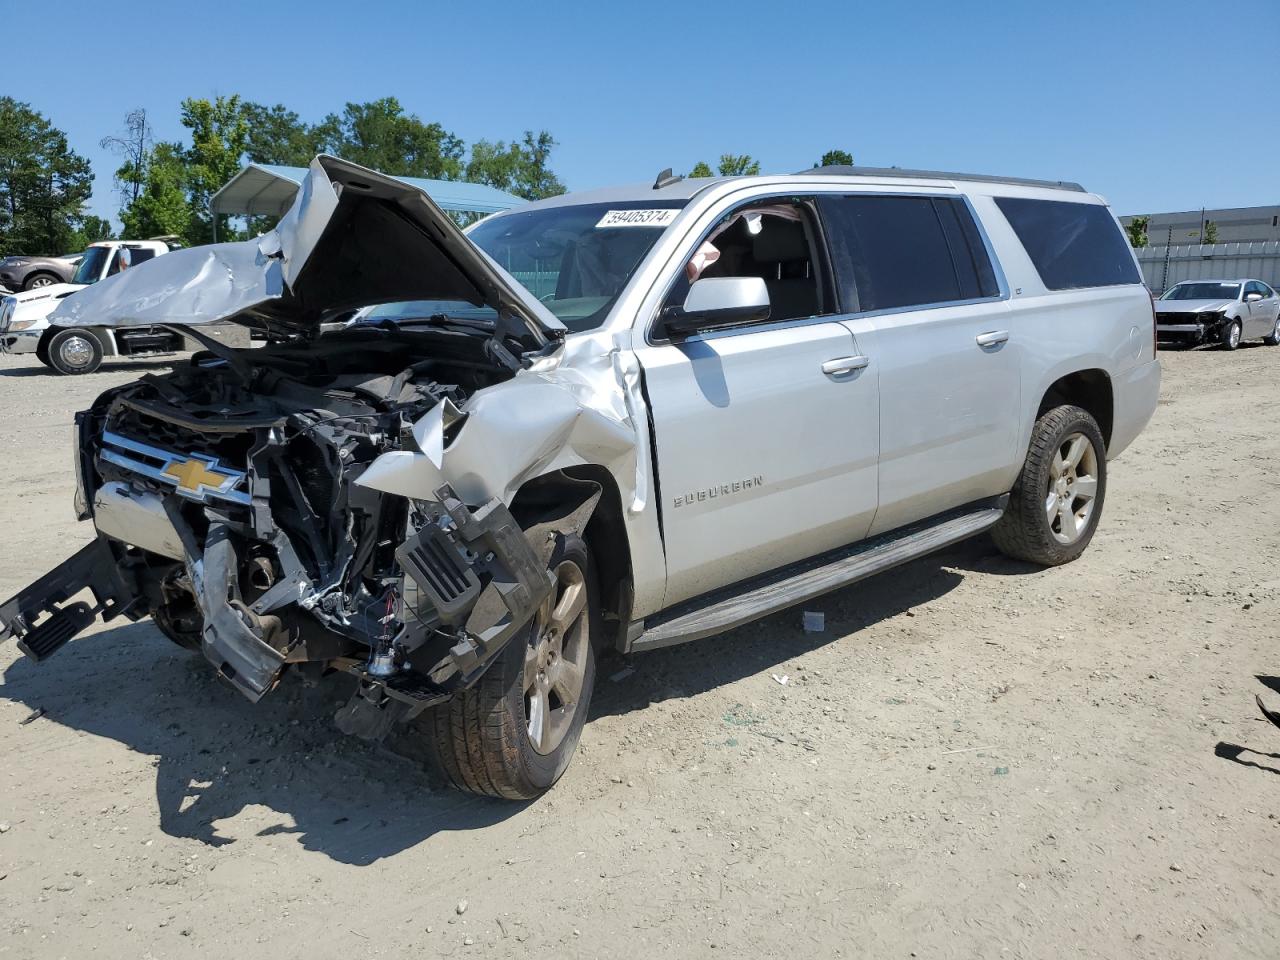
(195, 476)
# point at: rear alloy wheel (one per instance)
(513, 734)
(1056, 502)
(74, 351)
(1273, 338)
(1231, 335)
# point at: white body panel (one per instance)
(762, 458)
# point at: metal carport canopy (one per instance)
(268, 189)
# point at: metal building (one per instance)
(1163, 266)
(1234, 224)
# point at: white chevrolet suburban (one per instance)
(620, 419)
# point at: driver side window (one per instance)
(772, 241)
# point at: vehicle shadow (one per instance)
(694, 668)
(219, 757)
(1234, 752)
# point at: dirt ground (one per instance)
(977, 758)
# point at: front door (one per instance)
(765, 435)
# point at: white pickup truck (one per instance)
(621, 419)
(24, 316)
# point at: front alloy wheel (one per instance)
(514, 732)
(554, 661)
(1231, 335)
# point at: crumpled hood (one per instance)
(1191, 306)
(352, 238)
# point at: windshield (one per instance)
(1203, 291)
(90, 268)
(575, 259)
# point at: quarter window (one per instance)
(1072, 245)
(893, 252)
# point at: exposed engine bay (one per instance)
(229, 501)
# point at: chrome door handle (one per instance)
(844, 365)
(992, 339)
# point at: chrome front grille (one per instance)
(192, 475)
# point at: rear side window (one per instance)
(893, 252)
(1071, 244)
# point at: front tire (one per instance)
(38, 280)
(1231, 335)
(74, 351)
(1057, 499)
(513, 734)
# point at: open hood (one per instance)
(352, 238)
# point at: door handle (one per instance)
(992, 339)
(841, 366)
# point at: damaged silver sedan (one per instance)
(617, 420)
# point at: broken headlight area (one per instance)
(234, 484)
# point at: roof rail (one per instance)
(846, 171)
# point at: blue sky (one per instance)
(1157, 105)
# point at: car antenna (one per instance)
(666, 178)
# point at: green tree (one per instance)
(738, 165)
(521, 167)
(44, 184)
(836, 158)
(278, 135)
(91, 230)
(1210, 232)
(219, 136)
(162, 208)
(1137, 231)
(701, 169)
(380, 135)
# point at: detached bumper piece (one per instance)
(40, 616)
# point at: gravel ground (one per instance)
(976, 759)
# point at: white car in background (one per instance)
(1218, 311)
(24, 316)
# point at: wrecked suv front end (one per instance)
(295, 505)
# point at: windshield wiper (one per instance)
(438, 319)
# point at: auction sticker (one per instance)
(637, 218)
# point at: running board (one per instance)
(741, 603)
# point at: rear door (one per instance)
(1261, 309)
(765, 435)
(941, 344)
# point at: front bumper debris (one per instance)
(41, 618)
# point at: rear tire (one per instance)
(1231, 335)
(486, 740)
(74, 351)
(1057, 499)
(1273, 338)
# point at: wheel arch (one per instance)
(1090, 390)
(605, 535)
